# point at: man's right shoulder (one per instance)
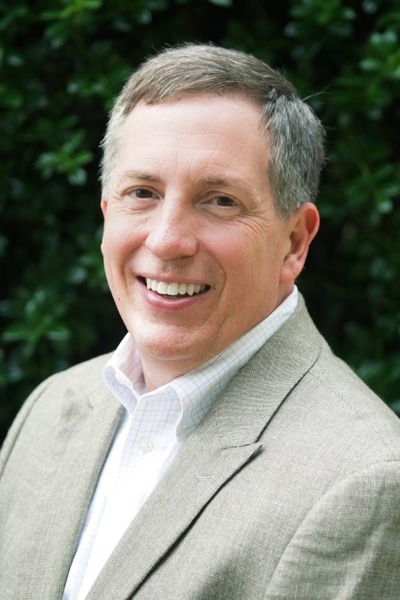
(77, 388)
(83, 381)
(92, 367)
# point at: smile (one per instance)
(174, 289)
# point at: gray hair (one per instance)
(294, 132)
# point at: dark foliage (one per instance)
(63, 61)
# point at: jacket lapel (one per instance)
(71, 472)
(195, 476)
(224, 443)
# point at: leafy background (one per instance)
(62, 63)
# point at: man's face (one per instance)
(193, 248)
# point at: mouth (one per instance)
(174, 290)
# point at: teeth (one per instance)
(174, 289)
(162, 287)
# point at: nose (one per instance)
(172, 232)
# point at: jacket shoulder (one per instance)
(83, 381)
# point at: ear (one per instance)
(303, 226)
(103, 205)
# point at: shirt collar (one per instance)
(197, 390)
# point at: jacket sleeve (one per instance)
(348, 546)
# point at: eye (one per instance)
(223, 207)
(223, 201)
(142, 193)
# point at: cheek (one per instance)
(118, 240)
(239, 262)
(114, 258)
(259, 262)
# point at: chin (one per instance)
(162, 340)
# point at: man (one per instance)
(228, 455)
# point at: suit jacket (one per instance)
(289, 488)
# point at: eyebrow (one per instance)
(229, 181)
(137, 174)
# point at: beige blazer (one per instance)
(289, 489)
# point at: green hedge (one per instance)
(63, 61)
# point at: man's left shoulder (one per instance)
(350, 408)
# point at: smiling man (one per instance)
(196, 253)
(222, 451)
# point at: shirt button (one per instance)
(146, 445)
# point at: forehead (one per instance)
(219, 128)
